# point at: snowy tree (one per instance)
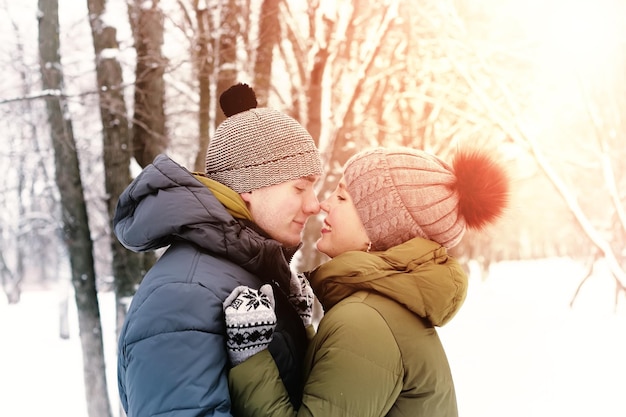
(76, 231)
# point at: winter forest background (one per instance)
(92, 90)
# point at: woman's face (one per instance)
(342, 230)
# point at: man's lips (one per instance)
(300, 223)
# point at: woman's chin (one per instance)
(319, 245)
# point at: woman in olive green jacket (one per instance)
(390, 281)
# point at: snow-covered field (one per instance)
(516, 348)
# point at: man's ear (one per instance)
(246, 196)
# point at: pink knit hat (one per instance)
(402, 193)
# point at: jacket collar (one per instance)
(419, 274)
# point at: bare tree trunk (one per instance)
(227, 51)
(74, 213)
(204, 67)
(127, 265)
(269, 36)
(149, 134)
(315, 84)
(9, 282)
(20, 238)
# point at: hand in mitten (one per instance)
(301, 297)
(250, 321)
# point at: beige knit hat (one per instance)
(258, 147)
(401, 193)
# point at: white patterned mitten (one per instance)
(250, 321)
(301, 297)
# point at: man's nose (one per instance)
(312, 205)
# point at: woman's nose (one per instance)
(324, 205)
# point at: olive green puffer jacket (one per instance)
(376, 352)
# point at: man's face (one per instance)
(282, 210)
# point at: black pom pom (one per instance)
(238, 98)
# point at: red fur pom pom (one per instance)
(483, 187)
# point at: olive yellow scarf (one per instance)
(232, 201)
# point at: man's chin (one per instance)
(292, 241)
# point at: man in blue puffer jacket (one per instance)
(239, 223)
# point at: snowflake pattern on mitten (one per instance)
(250, 321)
(301, 297)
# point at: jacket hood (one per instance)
(419, 274)
(166, 203)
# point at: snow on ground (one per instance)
(516, 348)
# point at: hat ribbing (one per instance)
(403, 193)
(261, 147)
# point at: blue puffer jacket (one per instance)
(172, 358)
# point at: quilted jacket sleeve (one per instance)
(356, 370)
(172, 359)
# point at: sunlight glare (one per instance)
(581, 35)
